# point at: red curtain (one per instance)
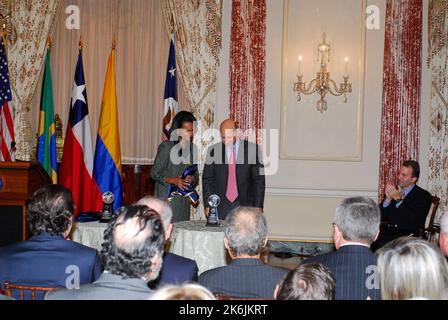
(400, 128)
(247, 64)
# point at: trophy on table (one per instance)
(213, 217)
(108, 207)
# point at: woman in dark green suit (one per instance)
(173, 158)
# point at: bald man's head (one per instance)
(228, 131)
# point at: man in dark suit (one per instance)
(355, 227)
(132, 255)
(245, 235)
(233, 171)
(176, 269)
(48, 259)
(405, 208)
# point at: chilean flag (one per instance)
(76, 168)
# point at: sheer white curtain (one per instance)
(142, 52)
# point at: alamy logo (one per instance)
(373, 18)
(73, 280)
(73, 20)
(372, 281)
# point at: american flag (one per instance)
(6, 123)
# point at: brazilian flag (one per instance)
(46, 143)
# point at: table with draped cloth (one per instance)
(193, 240)
(190, 239)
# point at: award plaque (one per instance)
(213, 217)
(108, 207)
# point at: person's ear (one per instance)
(414, 180)
(443, 243)
(69, 228)
(168, 232)
(156, 262)
(277, 287)
(265, 242)
(377, 235)
(337, 235)
(226, 244)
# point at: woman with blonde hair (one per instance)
(189, 291)
(411, 268)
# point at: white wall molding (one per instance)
(320, 193)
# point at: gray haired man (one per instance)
(245, 235)
(355, 227)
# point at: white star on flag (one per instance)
(77, 94)
(172, 72)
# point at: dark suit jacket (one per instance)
(349, 266)
(244, 278)
(411, 215)
(249, 175)
(43, 261)
(107, 287)
(176, 270)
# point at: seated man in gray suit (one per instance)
(245, 235)
(355, 227)
(176, 269)
(132, 255)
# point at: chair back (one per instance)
(37, 293)
(431, 229)
(220, 296)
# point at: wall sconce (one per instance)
(323, 83)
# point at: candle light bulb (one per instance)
(300, 65)
(346, 67)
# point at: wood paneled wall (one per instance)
(137, 182)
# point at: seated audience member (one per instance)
(443, 239)
(132, 256)
(405, 207)
(245, 235)
(411, 268)
(307, 282)
(355, 227)
(188, 291)
(47, 258)
(175, 269)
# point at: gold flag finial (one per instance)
(80, 42)
(49, 44)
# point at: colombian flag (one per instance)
(46, 143)
(107, 163)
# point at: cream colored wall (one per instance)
(302, 196)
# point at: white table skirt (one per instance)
(190, 239)
(205, 245)
(89, 233)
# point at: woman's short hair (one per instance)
(188, 291)
(307, 282)
(179, 119)
(50, 210)
(409, 268)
